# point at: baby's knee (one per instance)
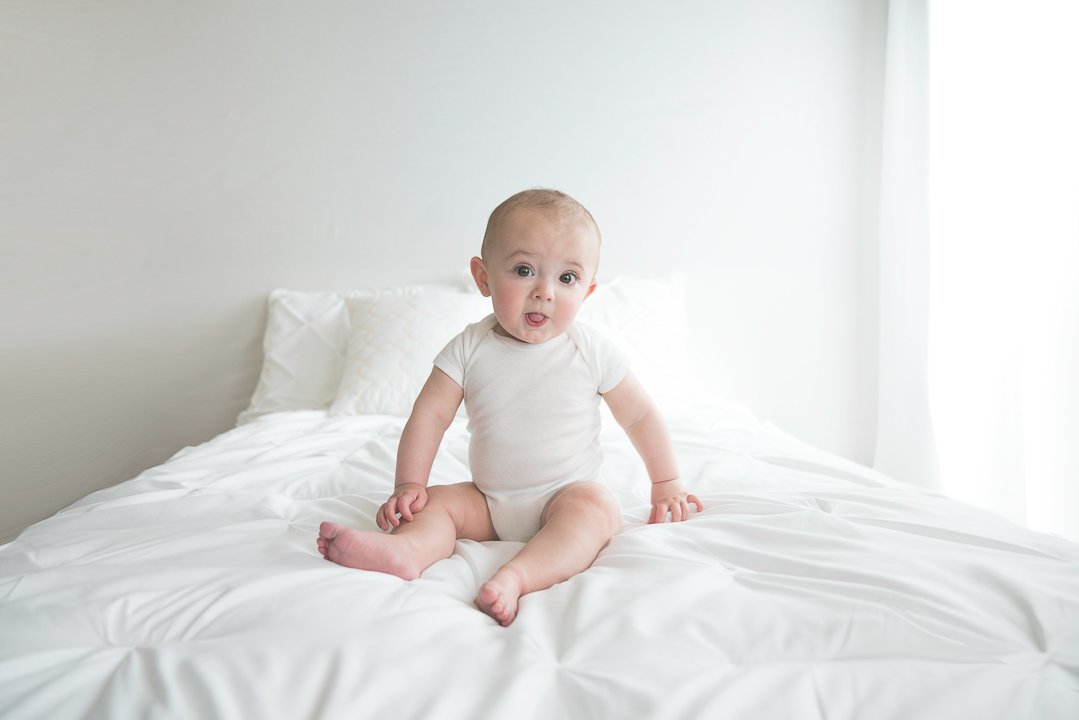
(466, 507)
(456, 493)
(593, 493)
(592, 498)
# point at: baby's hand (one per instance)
(406, 499)
(668, 497)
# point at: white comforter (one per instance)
(809, 587)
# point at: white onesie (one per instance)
(533, 415)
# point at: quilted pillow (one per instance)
(395, 336)
(387, 339)
(303, 352)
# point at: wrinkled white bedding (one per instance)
(809, 587)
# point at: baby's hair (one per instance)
(554, 201)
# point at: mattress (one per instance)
(809, 587)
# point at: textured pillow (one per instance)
(395, 336)
(303, 352)
(309, 341)
(647, 318)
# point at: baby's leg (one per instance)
(577, 523)
(452, 511)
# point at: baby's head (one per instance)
(538, 263)
(552, 203)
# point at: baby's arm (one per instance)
(644, 425)
(431, 415)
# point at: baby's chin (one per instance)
(527, 334)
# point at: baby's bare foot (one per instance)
(498, 596)
(366, 550)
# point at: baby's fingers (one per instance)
(678, 507)
(678, 510)
(410, 504)
(419, 502)
(389, 513)
(659, 513)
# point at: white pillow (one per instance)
(647, 318)
(309, 341)
(303, 352)
(395, 336)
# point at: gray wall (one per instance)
(165, 165)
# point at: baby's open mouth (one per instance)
(535, 319)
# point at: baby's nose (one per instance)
(544, 289)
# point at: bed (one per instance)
(809, 587)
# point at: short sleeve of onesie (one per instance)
(454, 357)
(608, 363)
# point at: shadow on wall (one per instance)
(112, 411)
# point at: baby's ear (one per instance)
(479, 274)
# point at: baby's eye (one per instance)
(568, 278)
(523, 271)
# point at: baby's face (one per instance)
(537, 272)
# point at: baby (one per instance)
(531, 379)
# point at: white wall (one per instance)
(166, 164)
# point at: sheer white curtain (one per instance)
(906, 446)
(994, 292)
